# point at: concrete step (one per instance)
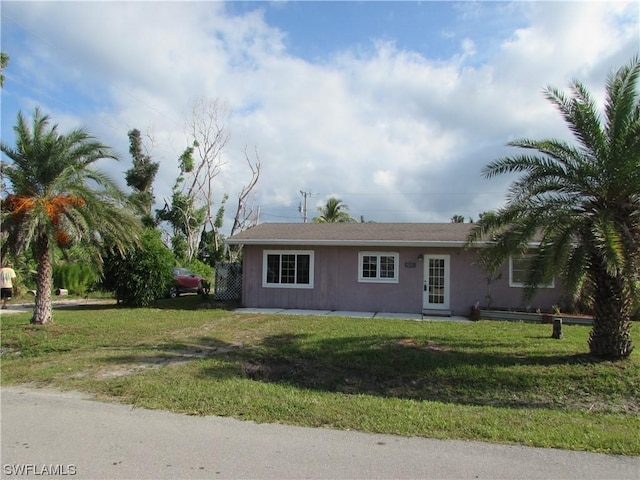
(436, 312)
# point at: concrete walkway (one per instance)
(28, 308)
(345, 313)
(44, 430)
(57, 303)
(61, 302)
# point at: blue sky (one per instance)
(394, 107)
(317, 30)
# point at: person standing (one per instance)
(7, 276)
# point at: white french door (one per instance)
(436, 282)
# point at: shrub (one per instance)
(200, 268)
(78, 278)
(142, 276)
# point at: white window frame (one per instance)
(377, 278)
(515, 284)
(265, 267)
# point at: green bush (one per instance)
(202, 269)
(78, 278)
(142, 276)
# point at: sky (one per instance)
(392, 107)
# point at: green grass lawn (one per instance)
(490, 381)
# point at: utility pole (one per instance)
(303, 208)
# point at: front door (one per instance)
(436, 282)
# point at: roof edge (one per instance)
(363, 243)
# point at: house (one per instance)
(377, 267)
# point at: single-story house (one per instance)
(378, 267)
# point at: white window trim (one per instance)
(396, 267)
(521, 284)
(265, 255)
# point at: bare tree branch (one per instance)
(245, 216)
(208, 130)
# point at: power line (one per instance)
(278, 216)
(413, 194)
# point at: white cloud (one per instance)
(397, 136)
(384, 178)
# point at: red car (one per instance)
(187, 281)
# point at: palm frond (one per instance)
(583, 205)
(622, 104)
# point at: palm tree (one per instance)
(4, 61)
(583, 203)
(57, 198)
(334, 212)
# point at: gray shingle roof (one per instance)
(365, 234)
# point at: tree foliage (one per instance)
(76, 277)
(582, 202)
(143, 275)
(4, 61)
(191, 212)
(211, 248)
(183, 215)
(334, 211)
(57, 199)
(141, 176)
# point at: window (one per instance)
(378, 267)
(287, 269)
(518, 269)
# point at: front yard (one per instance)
(490, 381)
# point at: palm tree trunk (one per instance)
(610, 337)
(43, 312)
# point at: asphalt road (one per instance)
(46, 432)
